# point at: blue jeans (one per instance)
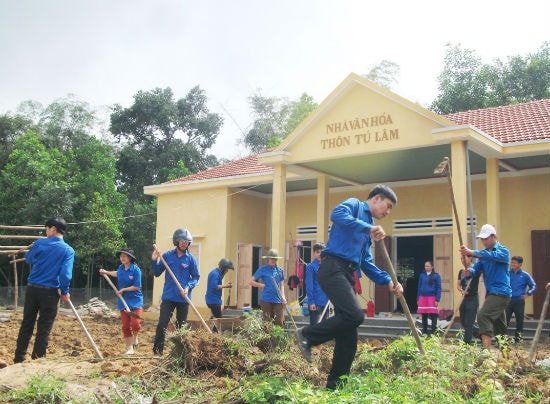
(336, 279)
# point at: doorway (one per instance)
(412, 253)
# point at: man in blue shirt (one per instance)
(214, 287)
(52, 270)
(348, 248)
(522, 286)
(184, 267)
(493, 263)
(316, 298)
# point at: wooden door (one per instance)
(540, 253)
(383, 301)
(244, 272)
(443, 263)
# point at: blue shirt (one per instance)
(519, 282)
(494, 266)
(213, 294)
(315, 294)
(265, 274)
(350, 238)
(424, 288)
(52, 263)
(127, 278)
(184, 268)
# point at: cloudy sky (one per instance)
(104, 51)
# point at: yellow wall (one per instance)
(204, 214)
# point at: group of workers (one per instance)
(331, 276)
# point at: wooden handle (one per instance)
(181, 288)
(286, 306)
(539, 327)
(126, 308)
(85, 330)
(401, 298)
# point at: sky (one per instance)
(105, 51)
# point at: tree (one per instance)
(384, 73)
(160, 135)
(11, 127)
(466, 83)
(161, 139)
(274, 119)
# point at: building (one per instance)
(360, 135)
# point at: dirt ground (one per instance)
(71, 356)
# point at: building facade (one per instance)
(359, 136)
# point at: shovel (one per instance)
(181, 288)
(126, 308)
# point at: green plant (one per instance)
(41, 389)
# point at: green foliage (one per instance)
(43, 389)
(264, 335)
(466, 83)
(384, 73)
(274, 119)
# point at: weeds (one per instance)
(40, 389)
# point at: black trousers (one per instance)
(42, 303)
(336, 279)
(433, 318)
(516, 307)
(468, 312)
(166, 310)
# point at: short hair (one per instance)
(59, 223)
(318, 246)
(517, 258)
(384, 191)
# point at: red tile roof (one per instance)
(245, 166)
(507, 124)
(510, 123)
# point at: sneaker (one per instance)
(130, 350)
(304, 345)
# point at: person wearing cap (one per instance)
(184, 266)
(493, 262)
(52, 262)
(348, 248)
(272, 298)
(316, 298)
(129, 288)
(523, 286)
(214, 287)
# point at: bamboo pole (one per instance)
(39, 228)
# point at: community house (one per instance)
(363, 134)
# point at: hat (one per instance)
(272, 253)
(486, 231)
(128, 251)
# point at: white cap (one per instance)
(486, 231)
